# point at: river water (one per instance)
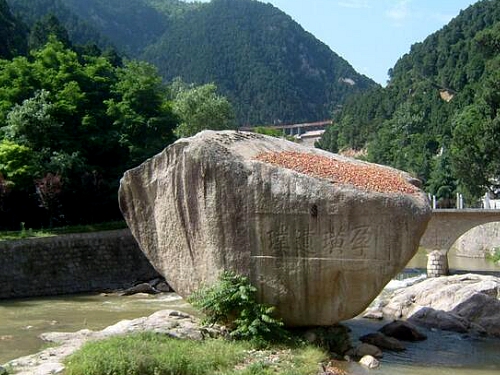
(444, 353)
(22, 320)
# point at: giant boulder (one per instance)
(317, 246)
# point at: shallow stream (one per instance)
(22, 320)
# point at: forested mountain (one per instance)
(264, 62)
(13, 33)
(437, 117)
(269, 67)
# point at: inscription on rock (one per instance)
(332, 240)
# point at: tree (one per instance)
(469, 151)
(47, 27)
(142, 115)
(200, 108)
(442, 182)
(76, 122)
(31, 123)
(12, 33)
(18, 165)
(48, 190)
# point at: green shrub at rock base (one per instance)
(232, 301)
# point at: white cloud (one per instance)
(399, 12)
(356, 4)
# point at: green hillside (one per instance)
(437, 117)
(269, 67)
(265, 63)
(13, 33)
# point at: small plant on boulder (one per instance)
(232, 301)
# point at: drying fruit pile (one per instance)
(364, 176)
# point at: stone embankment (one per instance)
(73, 263)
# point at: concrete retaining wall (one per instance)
(72, 264)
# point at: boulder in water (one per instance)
(318, 234)
(460, 303)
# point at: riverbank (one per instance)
(445, 352)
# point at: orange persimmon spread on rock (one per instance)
(363, 176)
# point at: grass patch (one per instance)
(158, 354)
(495, 257)
(30, 233)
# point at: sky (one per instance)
(371, 34)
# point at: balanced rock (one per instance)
(318, 234)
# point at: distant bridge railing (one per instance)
(294, 129)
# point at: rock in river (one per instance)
(318, 234)
(460, 303)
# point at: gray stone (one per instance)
(318, 251)
(382, 341)
(437, 264)
(375, 314)
(369, 361)
(163, 287)
(431, 318)
(402, 330)
(461, 303)
(140, 288)
(365, 349)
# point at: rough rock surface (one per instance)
(369, 362)
(479, 241)
(365, 349)
(50, 360)
(319, 251)
(461, 303)
(382, 341)
(402, 330)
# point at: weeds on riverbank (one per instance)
(495, 257)
(30, 233)
(158, 354)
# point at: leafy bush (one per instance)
(495, 257)
(232, 301)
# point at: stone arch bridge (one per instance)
(446, 226)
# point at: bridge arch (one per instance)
(446, 226)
